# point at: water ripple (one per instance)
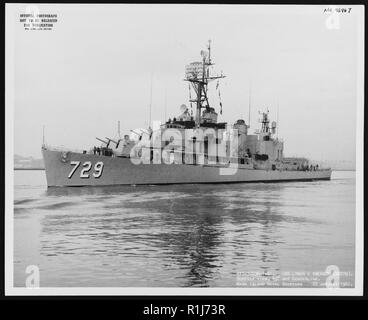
(181, 235)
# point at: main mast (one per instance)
(197, 73)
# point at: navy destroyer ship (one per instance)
(190, 148)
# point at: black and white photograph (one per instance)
(184, 149)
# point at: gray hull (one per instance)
(62, 170)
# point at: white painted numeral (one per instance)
(98, 169)
(76, 165)
(86, 167)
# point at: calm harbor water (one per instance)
(181, 235)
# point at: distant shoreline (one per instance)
(29, 169)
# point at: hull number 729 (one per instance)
(86, 168)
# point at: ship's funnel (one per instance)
(273, 127)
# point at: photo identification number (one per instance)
(86, 168)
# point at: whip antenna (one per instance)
(277, 120)
(150, 105)
(165, 104)
(249, 102)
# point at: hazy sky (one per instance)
(95, 68)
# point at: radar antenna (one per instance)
(198, 76)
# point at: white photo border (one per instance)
(10, 290)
